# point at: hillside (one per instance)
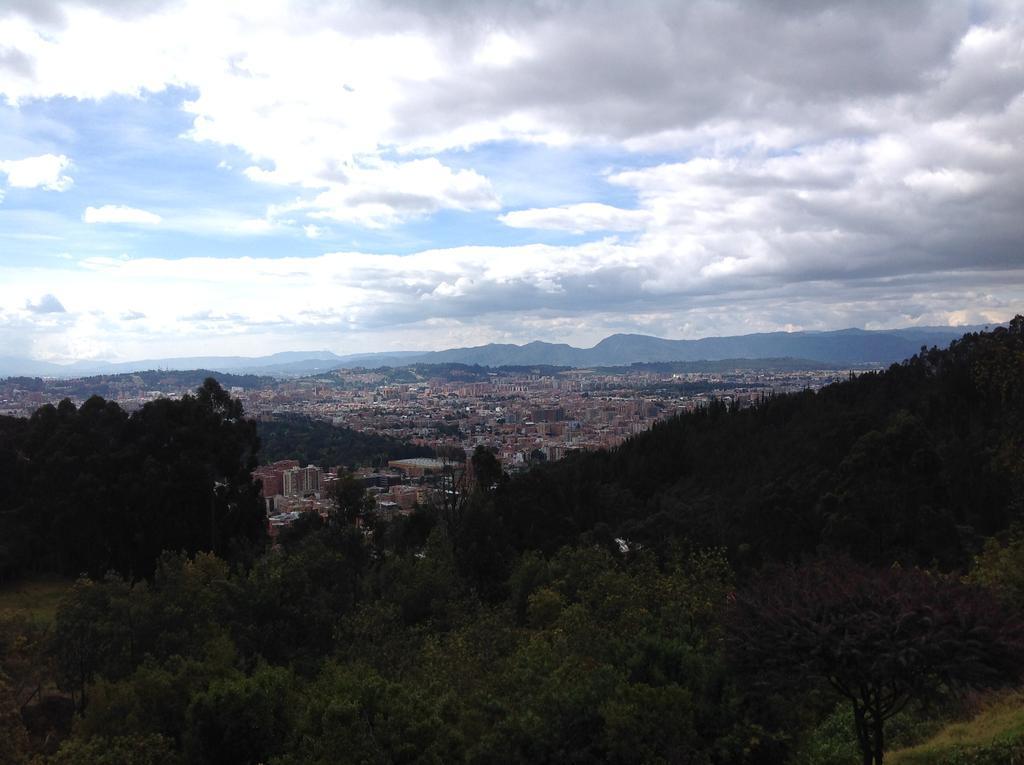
(618, 607)
(915, 463)
(993, 736)
(843, 347)
(314, 442)
(848, 346)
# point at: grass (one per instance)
(998, 727)
(33, 599)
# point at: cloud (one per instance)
(412, 76)
(52, 12)
(578, 218)
(132, 316)
(814, 165)
(120, 214)
(354, 301)
(44, 171)
(938, 197)
(319, 96)
(386, 193)
(46, 304)
(208, 315)
(16, 62)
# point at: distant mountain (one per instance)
(13, 366)
(308, 361)
(498, 355)
(845, 346)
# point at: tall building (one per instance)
(272, 476)
(270, 480)
(298, 481)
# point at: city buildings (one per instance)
(523, 416)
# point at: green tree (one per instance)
(117, 750)
(353, 715)
(351, 500)
(92, 635)
(880, 638)
(1000, 568)
(241, 720)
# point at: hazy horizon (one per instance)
(184, 179)
(311, 353)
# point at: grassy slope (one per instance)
(995, 733)
(33, 599)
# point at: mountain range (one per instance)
(845, 346)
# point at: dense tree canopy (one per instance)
(94, 489)
(315, 442)
(229, 667)
(880, 637)
(917, 463)
(605, 608)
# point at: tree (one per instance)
(487, 470)
(14, 741)
(241, 720)
(188, 485)
(92, 635)
(117, 750)
(93, 489)
(451, 493)
(352, 714)
(1000, 568)
(351, 499)
(879, 637)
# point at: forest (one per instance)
(153, 379)
(314, 442)
(822, 578)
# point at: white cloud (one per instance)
(318, 95)
(45, 171)
(352, 301)
(932, 198)
(385, 193)
(120, 214)
(46, 304)
(500, 50)
(816, 165)
(252, 226)
(578, 218)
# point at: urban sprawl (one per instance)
(523, 417)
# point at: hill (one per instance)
(994, 736)
(848, 346)
(111, 385)
(314, 442)
(843, 347)
(914, 463)
(620, 607)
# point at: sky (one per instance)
(242, 177)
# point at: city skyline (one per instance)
(178, 179)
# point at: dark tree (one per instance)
(93, 489)
(351, 499)
(487, 471)
(879, 637)
(448, 500)
(193, 488)
(314, 442)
